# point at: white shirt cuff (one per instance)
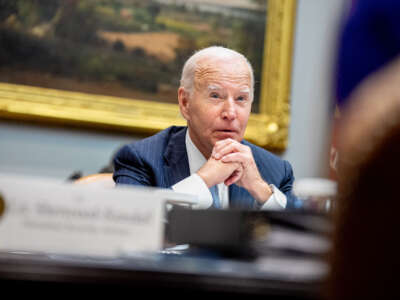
(277, 201)
(195, 185)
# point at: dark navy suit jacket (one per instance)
(161, 161)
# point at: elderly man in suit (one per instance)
(209, 157)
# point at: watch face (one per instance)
(272, 187)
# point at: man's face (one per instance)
(220, 104)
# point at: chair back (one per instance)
(100, 179)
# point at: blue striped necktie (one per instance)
(214, 193)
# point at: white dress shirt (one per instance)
(195, 185)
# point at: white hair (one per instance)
(190, 66)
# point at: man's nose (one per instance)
(229, 109)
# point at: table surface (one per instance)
(178, 272)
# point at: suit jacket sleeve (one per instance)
(286, 185)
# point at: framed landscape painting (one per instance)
(116, 64)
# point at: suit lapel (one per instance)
(176, 159)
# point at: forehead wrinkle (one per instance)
(203, 78)
(206, 72)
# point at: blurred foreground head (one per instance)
(365, 253)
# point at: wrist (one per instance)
(261, 191)
(203, 175)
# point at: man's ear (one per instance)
(183, 99)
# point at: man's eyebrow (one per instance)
(245, 90)
(213, 87)
(218, 87)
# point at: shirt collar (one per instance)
(195, 157)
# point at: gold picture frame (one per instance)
(268, 128)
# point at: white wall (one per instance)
(47, 151)
(311, 94)
(55, 152)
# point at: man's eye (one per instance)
(241, 98)
(214, 95)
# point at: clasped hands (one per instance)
(232, 162)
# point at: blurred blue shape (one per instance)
(370, 38)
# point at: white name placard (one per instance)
(43, 215)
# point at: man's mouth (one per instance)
(227, 130)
